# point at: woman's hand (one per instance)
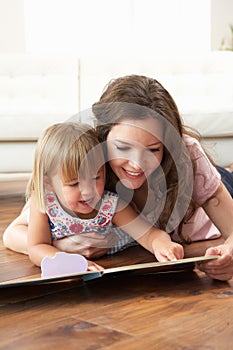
(219, 209)
(90, 245)
(221, 268)
(166, 250)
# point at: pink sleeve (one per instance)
(206, 177)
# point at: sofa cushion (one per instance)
(36, 91)
(16, 157)
(201, 85)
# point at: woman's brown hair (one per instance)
(140, 97)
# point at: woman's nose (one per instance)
(136, 160)
(134, 164)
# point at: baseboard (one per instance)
(13, 184)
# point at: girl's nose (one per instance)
(86, 188)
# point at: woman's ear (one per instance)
(47, 184)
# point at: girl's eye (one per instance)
(95, 178)
(74, 184)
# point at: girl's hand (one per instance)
(222, 268)
(92, 266)
(90, 245)
(167, 250)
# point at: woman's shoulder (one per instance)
(194, 147)
(206, 177)
(191, 141)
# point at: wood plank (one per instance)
(182, 310)
(71, 333)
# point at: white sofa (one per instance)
(36, 91)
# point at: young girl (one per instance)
(67, 198)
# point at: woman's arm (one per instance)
(220, 210)
(156, 241)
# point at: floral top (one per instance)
(63, 224)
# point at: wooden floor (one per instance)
(179, 310)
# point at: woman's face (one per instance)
(135, 150)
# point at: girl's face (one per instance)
(80, 196)
(135, 150)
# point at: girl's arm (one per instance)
(156, 241)
(39, 236)
(16, 234)
(220, 210)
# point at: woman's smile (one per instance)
(133, 174)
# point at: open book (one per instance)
(151, 267)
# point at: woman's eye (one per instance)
(153, 150)
(120, 148)
(95, 178)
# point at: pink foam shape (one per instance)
(63, 264)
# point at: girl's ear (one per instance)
(47, 184)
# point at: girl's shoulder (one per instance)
(51, 199)
(109, 194)
(109, 202)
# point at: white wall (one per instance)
(100, 27)
(221, 18)
(12, 36)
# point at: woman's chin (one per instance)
(132, 185)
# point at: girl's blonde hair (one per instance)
(63, 149)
